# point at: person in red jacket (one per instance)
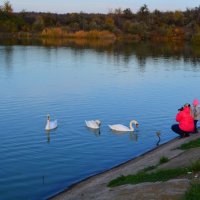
(186, 121)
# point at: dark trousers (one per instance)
(195, 126)
(177, 130)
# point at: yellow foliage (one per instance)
(58, 32)
(54, 32)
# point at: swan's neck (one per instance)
(48, 123)
(131, 124)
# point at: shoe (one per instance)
(196, 131)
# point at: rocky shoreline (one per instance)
(96, 188)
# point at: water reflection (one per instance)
(48, 136)
(96, 132)
(121, 51)
(8, 58)
(78, 83)
(132, 136)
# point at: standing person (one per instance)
(196, 113)
(186, 121)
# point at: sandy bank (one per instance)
(95, 188)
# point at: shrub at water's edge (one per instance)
(59, 32)
(163, 160)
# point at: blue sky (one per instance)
(101, 6)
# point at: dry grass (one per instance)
(59, 32)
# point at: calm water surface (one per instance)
(78, 84)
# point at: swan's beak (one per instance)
(137, 125)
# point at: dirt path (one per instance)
(95, 188)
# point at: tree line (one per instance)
(118, 24)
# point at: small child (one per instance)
(196, 113)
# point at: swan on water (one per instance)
(122, 128)
(50, 124)
(94, 124)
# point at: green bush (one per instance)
(163, 160)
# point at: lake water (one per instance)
(77, 83)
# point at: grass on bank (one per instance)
(160, 175)
(191, 144)
(152, 167)
(193, 193)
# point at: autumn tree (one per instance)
(7, 7)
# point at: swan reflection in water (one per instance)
(96, 132)
(132, 136)
(48, 136)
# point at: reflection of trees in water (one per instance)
(141, 63)
(120, 51)
(8, 58)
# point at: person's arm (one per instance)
(179, 116)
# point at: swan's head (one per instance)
(135, 122)
(48, 117)
(98, 122)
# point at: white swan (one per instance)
(50, 124)
(94, 124)
(122, 128)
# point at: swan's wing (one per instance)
(89, 123)
(92, 124)
(119, 127)
(53, 124)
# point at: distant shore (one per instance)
(143, 25)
